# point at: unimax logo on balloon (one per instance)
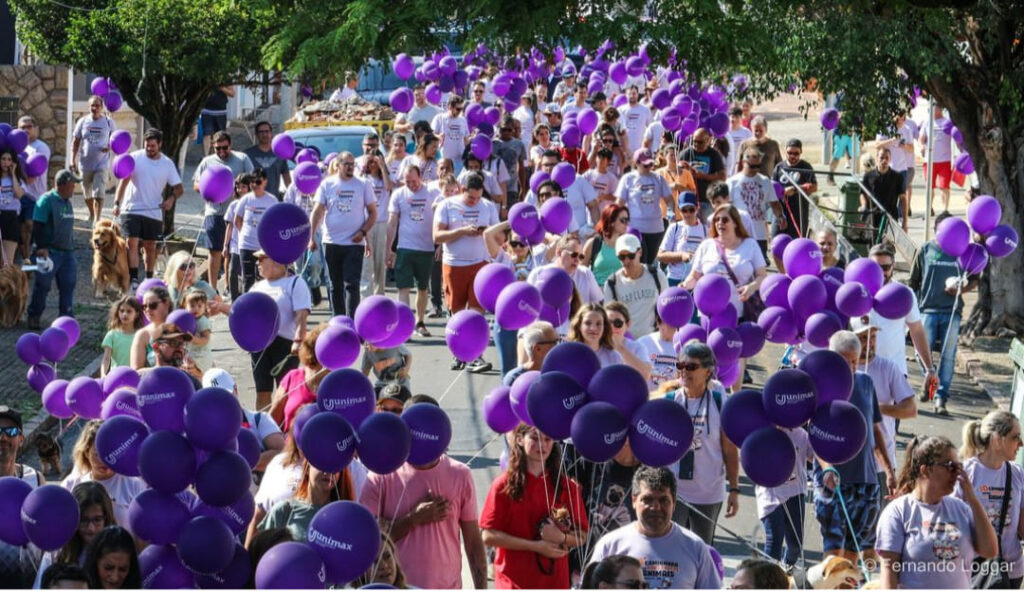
(421, 435)
(150, 398)
(321, 575)
(112, 457)
(315, 536)
(793, 398)
(123, 406)
(670, 299)
(332, 404)
(343, 445)
(26, 518)
(823, 435)
(299, 230)
(615, 437)
(734, 343)
(572, 401)
(148, 581)
(525, 307)
(646, 430)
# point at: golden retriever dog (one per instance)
(13, 295)
(834, 573)
(109, 259)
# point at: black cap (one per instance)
(8, 413)
(394, 391)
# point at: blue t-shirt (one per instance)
(861, 468)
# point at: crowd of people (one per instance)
(648, 214)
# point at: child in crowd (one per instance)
(199, 348)
(389, 364)
(231, 253)
(125, 319)
(520, 252)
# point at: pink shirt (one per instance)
(430, 555)
(298, 394)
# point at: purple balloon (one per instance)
(894, 300)
(617, 72)
(831, 373)
(184, 320)
(689, 333)
(807, 295)
(237, 516)
(802, 256)
(328, 442)
(36, 165)
(283, 146)
(537, 179)
(28, 349)
(167, 462)
(779, 324)
(113, 101)
(974, 259)
(832, 277)
(820, 326)
(384, 442)
(555, 215)
(307, 177)
(830, 119)
(517, 306)
(467, 332)
(743, 414)
(588, 120)
(146, 285)
(490, 280)
(54, 399)
(124, 166)
(779, 244)
(157, 518)
(161, 569)
(70, 327)
(346, 392)
(837, 431)
(497, 408)
(564, 174)
(552, 402)
(206, 545)
(54, 344)
(253, 321)
(953, 236)
(223, 478)
(984, 213)
(575, 359)
(13, 492)
(307, 155)
(774, 290)
(865, 271)
(217, 183)
(284, 232)
(118, 442)
(789, 397)
(475, 114)
(481, 147)
(84, 396)
(347, 538)
(660, 432)
(554, 284)
(213, 418)
(402, 332)
(712, 294)
(120, 377)
(99, 87)
(431, 432)
(621, 386)
(403, 66)
(120, 142)
(675, 306)
(50, 517)
(376, 318)
(517, 395)
(17, 140)
(524, 219)
(727, 345)
(337, 347)
(122, 401)
(1001, 241)
(162, 395)
(768, 457)
(599, 431)
(39, 376)
(853, 299)
(433, 93)
(401, 99)
(248, 444)
(235, 576)
(291, 565)
(963, 164)
(753, 338)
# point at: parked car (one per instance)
(335, 138)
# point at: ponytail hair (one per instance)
(977, 434)
(921, 452)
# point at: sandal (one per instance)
(422, 331)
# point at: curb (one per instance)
(42, 417)
(971, 367)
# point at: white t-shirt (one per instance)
(579, 194)
(642, 194)
(292, 195)
(654, 133)
(635, 118)
(678, 560)
(582, 278)
(745, 260)
(278, 484)
(891, 388)
(603, 183)
(428, 168)
(736, 137)
(417, 114)
(94, 135)
(454, 214)
(37, 188)
(291, 295)
(8, 203)
(229, 218)
(415, 217)
(892, 335)
(933, 541)
(345, 206)
(527, 122)
(989, 485)
(769, 498)
(661, 355)
(144, 193)
(682, 238)
(755, 195)
(121, 489)
(941, 145)
(706, 485)
(455, 131)
(251, 209)
(260, 424)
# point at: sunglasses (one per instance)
(723, 219)
(951, 466)
(11, 431)
(186, 266)
(575, 256)
(151, 305)
(174, 343)
(478, 92)
(618, 323)
(793, 152)
(547, 194)
(688, 366)
(688, 210)
(516, 244)
(222, 148)
(885, 267)
(625, 256)
(396, 409)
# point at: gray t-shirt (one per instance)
(239, 163)
(640, 296)
(269, 162)
(677, 560)
(94, 135)
(386, 363)
(513, 154)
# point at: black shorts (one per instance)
(141, 227)
(263, 364)
(215, 228)
(10, 228)
(213, 123)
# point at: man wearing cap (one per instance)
(635, 118)
(511, 151)
(553, 117)
(581, 195)
(169, 352)
(53, 236)
(643, 192)
(421, 111)
(636, 285)
(892, 333)
(752, 192)
(453, 130)
(565, 86)
(892, 389)
(349, 90)
(938, 284)
(17, 564)
(682, 239)
(267, 433)
(792, 173)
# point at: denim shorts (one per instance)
(863, 507)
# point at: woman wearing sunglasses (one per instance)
(181, 276)
(633, 354)
(989, 451)
(156, 305)
(927, 538)
(712, 461)
(682, 239)
(599, 252)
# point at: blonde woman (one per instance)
(180, 276)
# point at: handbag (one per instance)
(993, 574)
(754, 305)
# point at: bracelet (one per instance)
(734, 490)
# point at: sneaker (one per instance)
(33, 324)
(479, 365)
(436, 313)
(457, 365)
(422, 331)
(923, 397)
(940, 409)
(135, 286)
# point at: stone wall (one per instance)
(44, 95)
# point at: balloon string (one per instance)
(719, 525)
(391, 525)
(450, 386)
(482, 448)
(799, 531)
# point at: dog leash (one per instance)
(853, 532)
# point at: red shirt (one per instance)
(520, 569)
(577, 158)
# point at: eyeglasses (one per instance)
(478, 92)
(688, 210)
(97, 520)
(627, 256)
(575, 256)
(151, 305)
(11, 431)
(723, 219)
(186, 266)
(224, 148)
(608, 140)
(688, 366)
(950, 465)
(793, 152)
(173, 343)
(631, 584)
(618, 323)
(516, 244)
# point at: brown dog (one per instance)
(49, 453)
(13, 295)
(109, 259)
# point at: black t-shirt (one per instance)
(218, 101)
(887, 188)
(793, 206)
(709, 161)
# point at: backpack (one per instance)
(651, 267)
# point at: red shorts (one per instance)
(458, 286)
(941, 174)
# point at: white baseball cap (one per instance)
(862, 324)
(220, 378)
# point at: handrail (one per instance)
(904, 244)
(818, 220)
